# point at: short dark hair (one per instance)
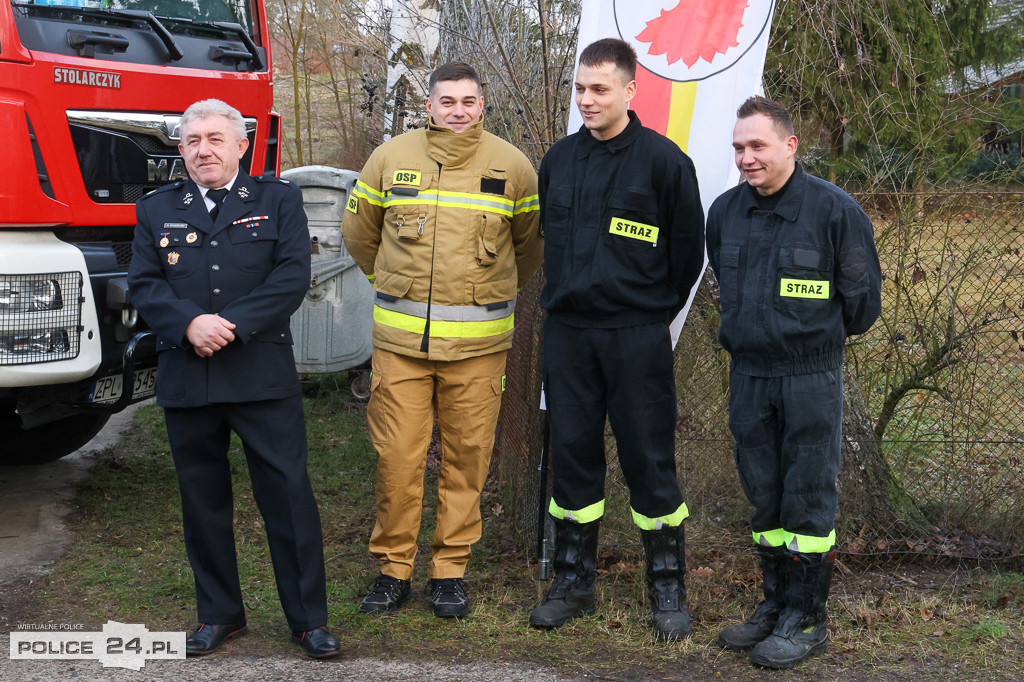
(613, 50)
(454, 71)
(776, 112)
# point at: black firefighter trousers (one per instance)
(787, 431)
(626, 374)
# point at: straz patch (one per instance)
(406, 177)
(804, 288)
(639, 231)
(352, 204)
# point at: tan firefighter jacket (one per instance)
(445, 224)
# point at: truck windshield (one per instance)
(176, 15)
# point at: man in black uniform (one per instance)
(795, 258)
(624, 244)
(219, 264)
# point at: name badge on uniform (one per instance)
(804, 288)
(175, 226)
(406, 177)
(627, 228)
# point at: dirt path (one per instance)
(35, 499)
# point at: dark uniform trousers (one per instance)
(787, 431)
(273, 436)
(626, 374)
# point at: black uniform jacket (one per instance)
(795, 281)
(623, 228)
(251, 267)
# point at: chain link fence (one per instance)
(934, 418)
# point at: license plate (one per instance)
(108, 389)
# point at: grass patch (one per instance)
(127, 562)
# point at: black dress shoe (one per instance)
(208, 637)
(318, 643)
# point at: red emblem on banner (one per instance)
(695, 29)
(690, 40)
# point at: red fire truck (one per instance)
(91, 92)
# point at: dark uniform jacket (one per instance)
(623, 228)
(795, 281)
(251, 267)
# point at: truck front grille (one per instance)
(123, 155)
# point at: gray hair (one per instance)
(213, 107)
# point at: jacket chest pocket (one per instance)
(409, 201)
(555, 213)
(253, 245)
(179, 251)
(633, 223)
(494, 238)
(729, 275)
(493, 233)
(805, 280)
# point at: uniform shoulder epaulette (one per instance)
(272, 178)
(177, 184)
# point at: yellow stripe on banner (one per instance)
(680, 113)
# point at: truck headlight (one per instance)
(40, 317)
(29, 294)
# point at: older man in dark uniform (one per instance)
(219, 265)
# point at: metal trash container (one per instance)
(332, 328)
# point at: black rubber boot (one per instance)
(666, 586)
(802, 630)
(760, 625)
(572, 591)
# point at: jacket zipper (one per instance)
(425, 342)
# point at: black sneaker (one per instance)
(387, 595)
(448, 595)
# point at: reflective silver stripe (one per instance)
(432, 197)
(447, 313)
(368, 193)
(527, 204)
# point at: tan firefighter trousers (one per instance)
(406, 394)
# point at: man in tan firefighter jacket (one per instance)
(444, 221)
